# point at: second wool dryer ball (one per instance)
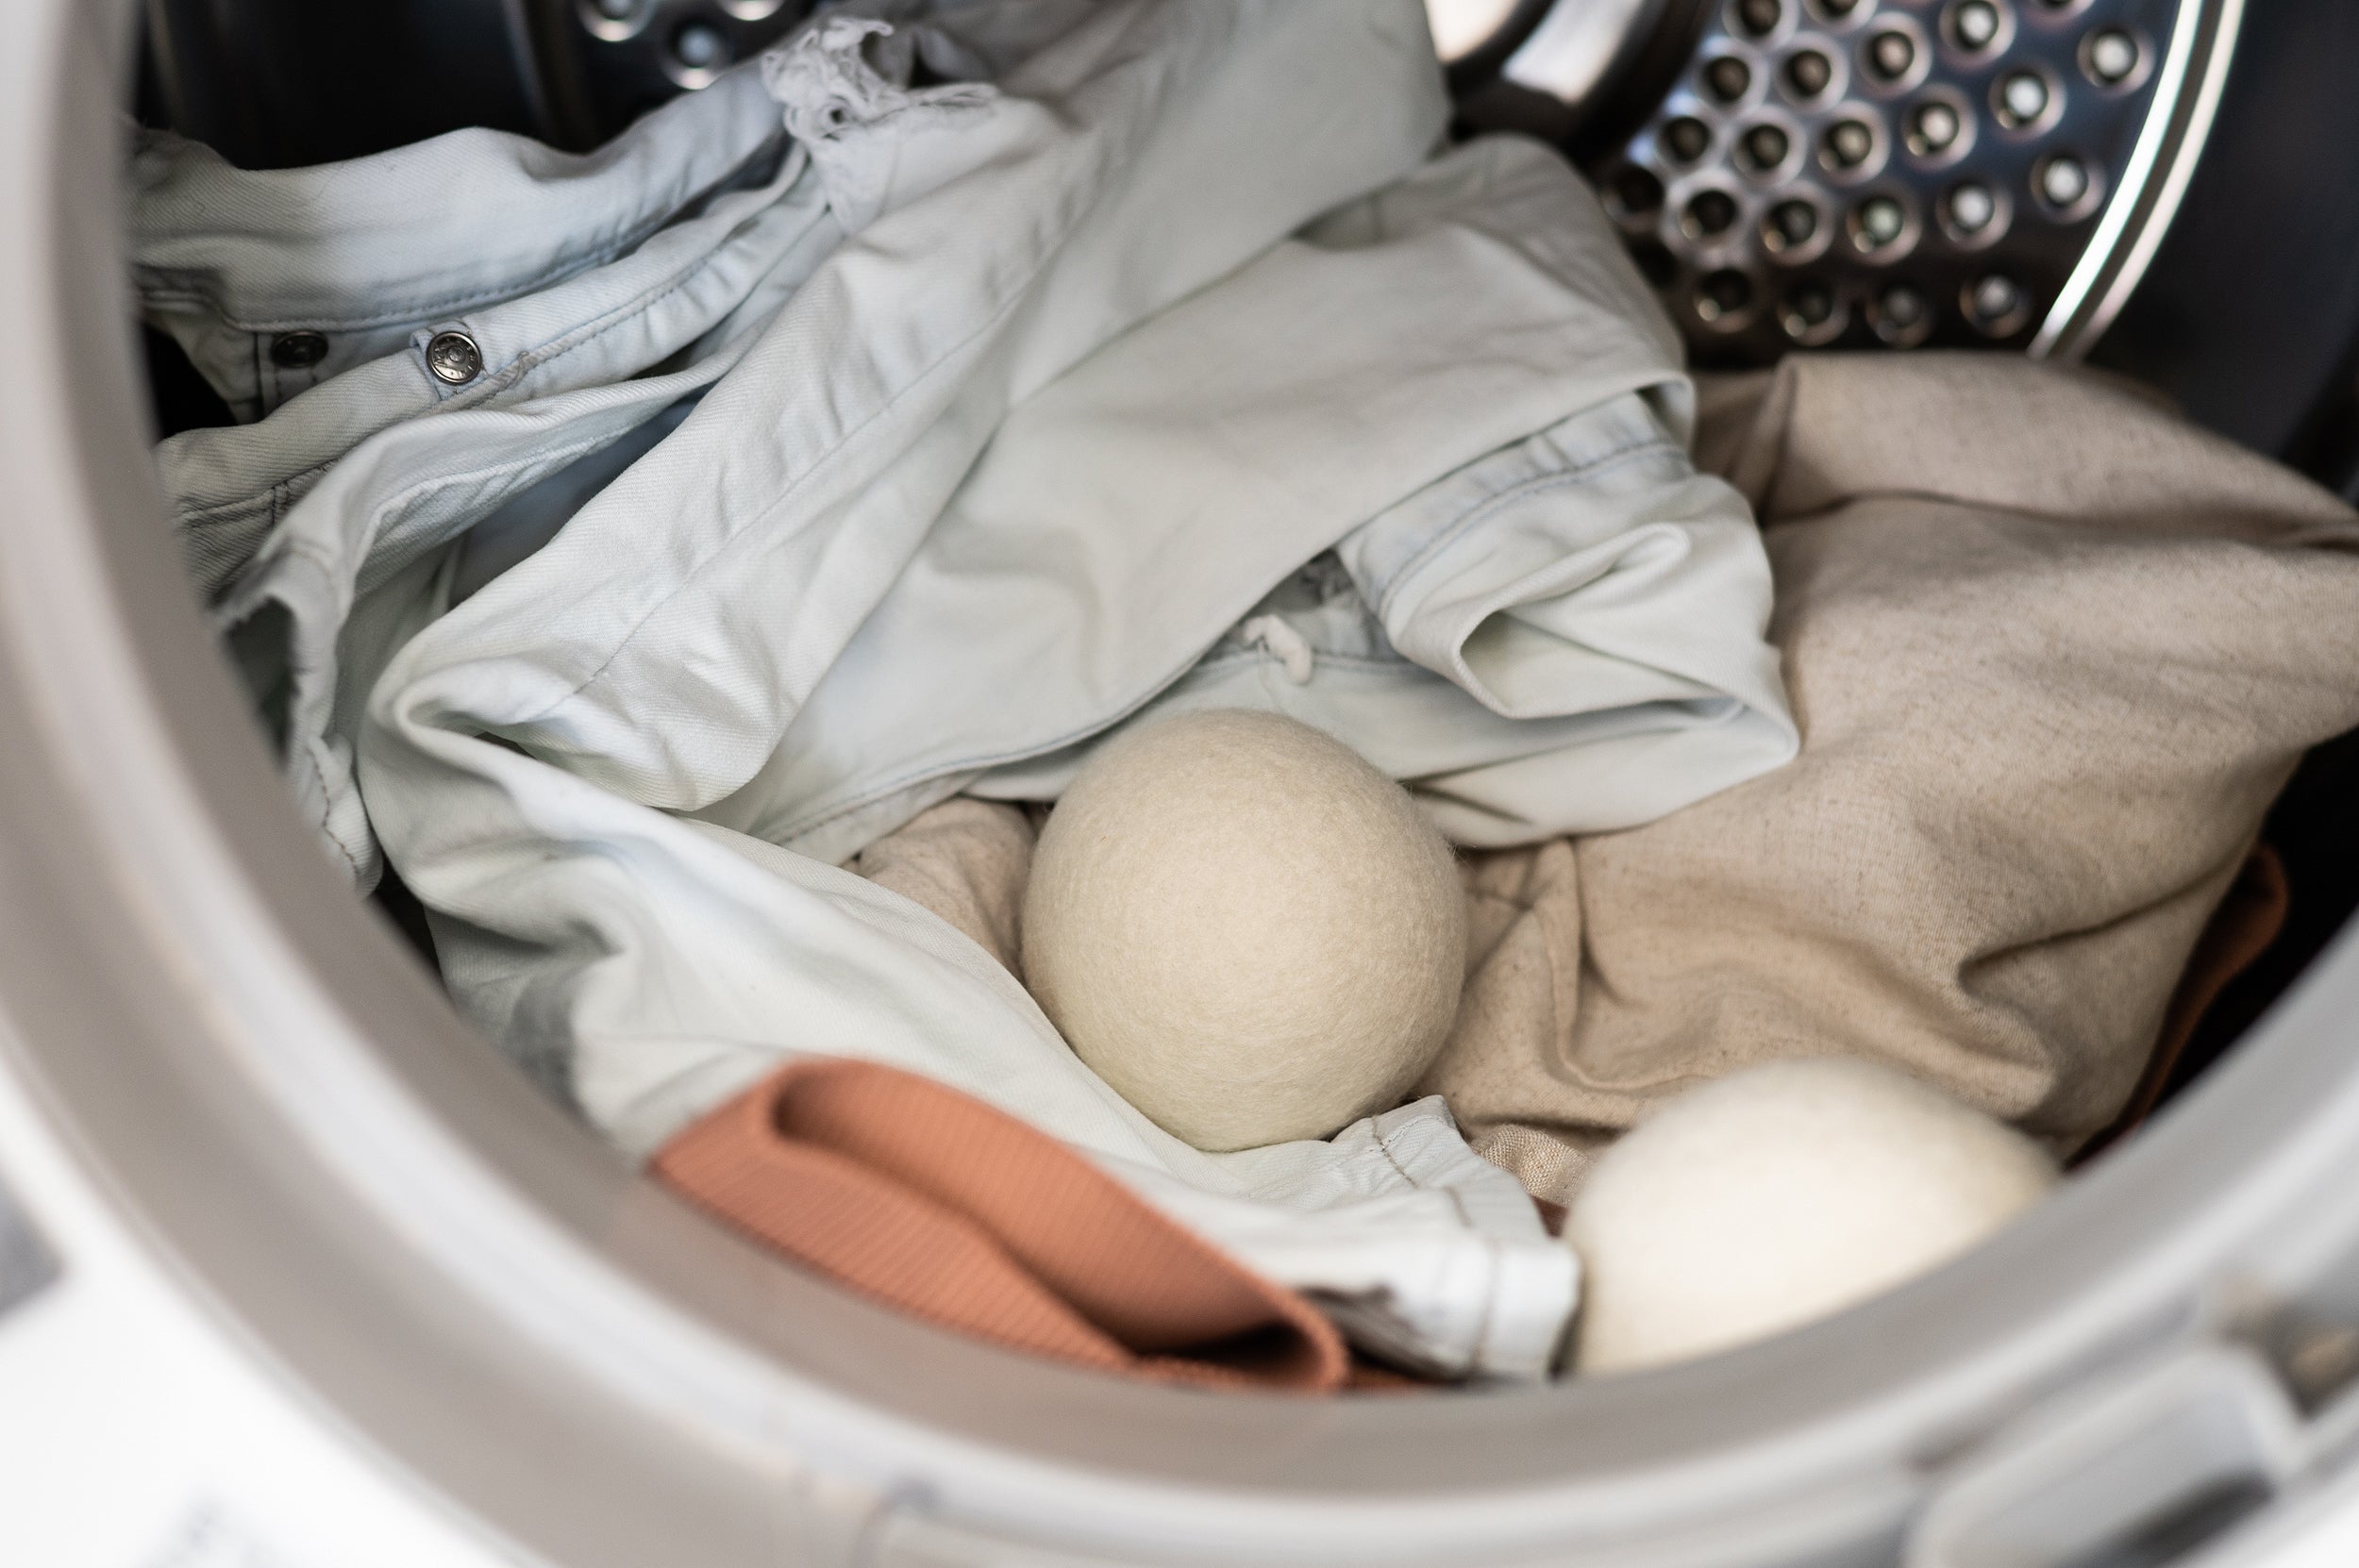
(1244, 928)
(1779, 1194)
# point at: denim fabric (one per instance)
(364, 252)
(1459, 386)
(1003, 409)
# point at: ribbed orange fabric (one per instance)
(934, 1202)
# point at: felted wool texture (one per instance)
(1246, 930)
(1779, 1196)
(2053, 652)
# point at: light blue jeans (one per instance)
(925, 434)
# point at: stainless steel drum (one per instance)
(1884, 171)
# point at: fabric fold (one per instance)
(935, 1203)
(2053, 652)
(672, 662)
(362, 253)
(1457, 385)
(527, 755)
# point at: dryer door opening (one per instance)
(245, 1073)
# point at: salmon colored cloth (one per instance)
(934, 1202)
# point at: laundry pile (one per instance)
(693, 566)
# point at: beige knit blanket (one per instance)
(2053, 652)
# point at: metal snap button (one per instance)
(298, 350)
(453, 357)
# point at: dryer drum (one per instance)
(224, 1075)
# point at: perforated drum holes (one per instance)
(1977, 29)
(1708, 215)
(699, 52)
(2026, 99)
(1973, 214)
(640, 51)
(1831, 151)
(2114, 58)
(2065, 186)
(1940, 128)
(1756, 20)
(1726, 80)
(1794, 230)
(614, 20)
(1881, 226)
(1724, 297)
(1847, 148)
(1933, 128)
(1902, 315)
(1808, 76)
(1762, 149)
(1890, 53)
(2063, 182)
(1686, 138)
(1812, 313)
(1996, 305)
(1893, 56)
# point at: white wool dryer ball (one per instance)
(1779, 1194)
(1244, 928)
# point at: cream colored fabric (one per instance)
(1551, 1165)
(2053, 652)
(966, 860)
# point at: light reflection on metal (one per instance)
(1568, 54)
(2152, 181)
(1462, 27)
